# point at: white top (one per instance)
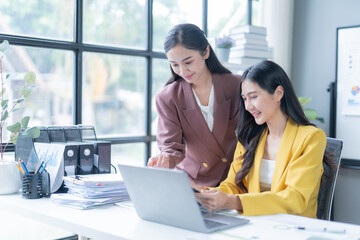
(267, 168)
(207, 111)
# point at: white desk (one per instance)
(114, 222)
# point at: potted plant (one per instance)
(223, 45)
(310, 113)
(9, 172)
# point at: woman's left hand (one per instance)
(214, 200)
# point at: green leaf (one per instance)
(14, 128)
(14, 137)
(4, 104)
(3, 91)
(30, 77)
(20, 100)
(4, 45)
(33, 132)
(25, 122)
(320, 119)
(5, 115)
(26, 92)
(311, 114)
(303, 100)
(7, 76)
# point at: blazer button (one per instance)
(224, 160)
(205, 164)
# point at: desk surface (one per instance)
(115, 222)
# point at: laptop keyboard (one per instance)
(213, 224)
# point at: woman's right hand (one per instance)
(161, 160)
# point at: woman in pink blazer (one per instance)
(198, 109)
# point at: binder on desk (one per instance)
(44, 135)
(85, 157)
(72, 133)
(87, 132)
(71, 154)
(102, 156)
(56, 134)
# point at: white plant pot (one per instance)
(10, 178)
(223, 54)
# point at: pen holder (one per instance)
(32, 186)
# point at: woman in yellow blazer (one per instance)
(277, 164)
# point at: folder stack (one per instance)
(88, 191)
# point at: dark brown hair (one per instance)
(268, 75)
(192, 37)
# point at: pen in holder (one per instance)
(32, 185)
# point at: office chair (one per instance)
(328, 179)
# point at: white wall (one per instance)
(347, 196)
(313, 68)
(314, 48)
(277, 17)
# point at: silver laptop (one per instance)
(166, 196)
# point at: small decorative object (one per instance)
(311, 114)
(223, 45)
(10, 180)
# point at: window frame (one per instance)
(78, 48)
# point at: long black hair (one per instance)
(268, 75)
(192, 37)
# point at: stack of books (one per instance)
(88, 191)
(251, 45)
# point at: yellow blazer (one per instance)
(296, 180)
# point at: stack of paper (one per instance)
(251, 45)
(87, 191)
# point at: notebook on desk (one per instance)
(166, 196)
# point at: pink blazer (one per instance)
(183, 133)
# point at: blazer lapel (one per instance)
(221, 110)
(284, 151)
(197, 122)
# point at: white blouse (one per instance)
(207, 111)
(267, 169)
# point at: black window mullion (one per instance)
(78, 63)
(249, 13)
(205, 17)
(148, 85)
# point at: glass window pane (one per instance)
(38, 18)
(51, 101)
(116, 23)
(154, 149)
(224, 15)
(113, 97)
(256, 16)
(130, 154)
(167, 14)
(161, 73)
